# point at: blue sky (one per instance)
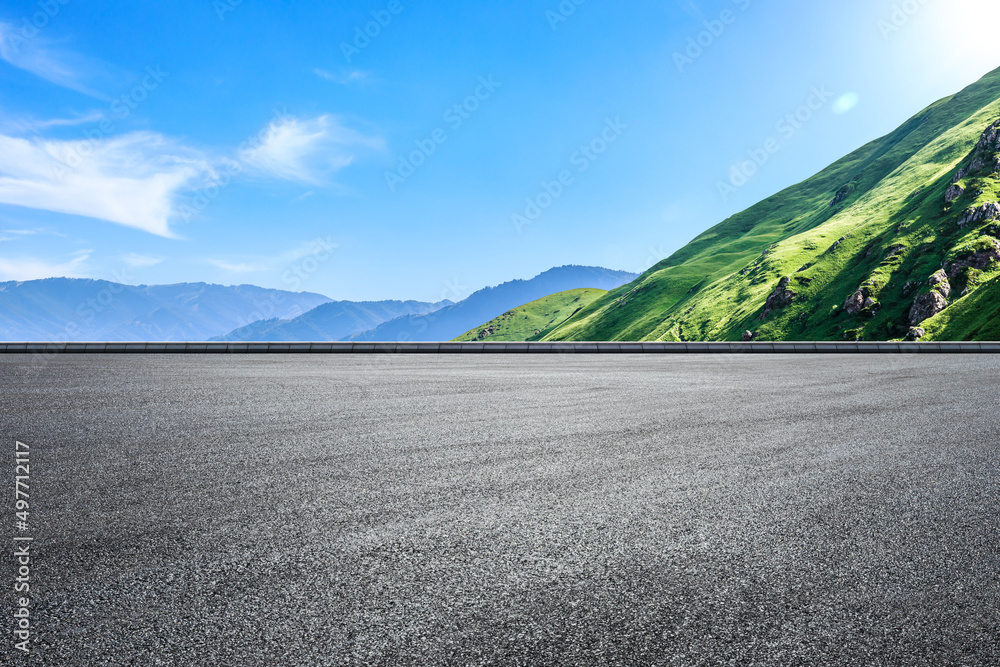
(453, 146)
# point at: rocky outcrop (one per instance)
(983, 159)
(836, 244)
(916, 333)
(842, 194)
(895, 250)
(984, 154)
(858, 301)
(953, 193)
(981, 259)
(748, 336)
(939, 281)
(925, 306)
(986, 212)
(931, 303)
(781, 297)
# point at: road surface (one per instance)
(511, 510)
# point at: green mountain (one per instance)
(899, 238)
(534, 320)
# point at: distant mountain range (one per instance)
(453, 321)
(59, 309)
(414, 321)
(332, 321)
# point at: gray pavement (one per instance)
(509, 510)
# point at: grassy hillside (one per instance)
(843, 255)
(532, 321)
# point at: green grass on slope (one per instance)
(892, 231)
(893, 239)
(531, 321)
(977, 319)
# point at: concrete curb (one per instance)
(497, 348)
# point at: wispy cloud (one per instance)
(35, 55)
(235, 267)
(33, 126)
(319, 248)
(31, 268)
(137, 179)
(306, 150)
(131, 179)
(306, 249)
(343, 78)
(137, 261)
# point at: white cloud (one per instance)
(305, 150)
(132, 179)
(136, 179)
(234, 267)
(30, 268)
(38, 57)
(25, 126)
(344, 79)
(319, 248)
(316, 247)
(137, 261)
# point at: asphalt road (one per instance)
(688, 510)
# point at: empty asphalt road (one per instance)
(509, 510)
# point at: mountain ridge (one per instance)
(490, 302)
(331, 321)
(91, 309)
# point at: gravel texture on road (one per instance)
(509, 510)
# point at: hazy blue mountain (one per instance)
(59, 309)
(486, 304)
(336, 320)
